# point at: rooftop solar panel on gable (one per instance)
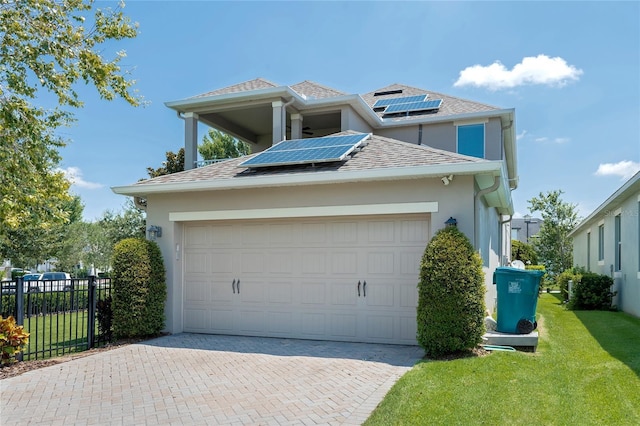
(405, 100)
(414, 106)
(317, 142)
(305, 151)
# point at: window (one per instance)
(618, 243)
(514, 233)
(601, 242)
(471, 140)
(588, 251)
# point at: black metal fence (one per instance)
(61, 316)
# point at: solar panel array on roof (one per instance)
(413, 106)
(405, 100)
(305, 151)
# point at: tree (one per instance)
(173, 164)
(49, 45)
(552, 243)
(218, 145)
(523, 252)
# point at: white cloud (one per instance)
(545, 139)
(521, 135)
(74, 175)
(540, 69)
(624, 169)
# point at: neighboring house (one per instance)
(608, 242)
(318, 249)
(523, 229)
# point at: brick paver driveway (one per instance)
(210, 380)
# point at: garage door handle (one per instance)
(238, 286)
(233, 286)
(358, 288)
(364, 289)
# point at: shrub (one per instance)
(104, 314)
(139, 288)
(573, 274)
(13, 340)
(593, 292)
(451, 292)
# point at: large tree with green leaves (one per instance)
(173, 164)
(49, 46)
(552, 242)
(217, 145)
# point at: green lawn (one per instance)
(54, 335)
(586, 371)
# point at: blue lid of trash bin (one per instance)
(515, 271)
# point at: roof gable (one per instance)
(256, 84)
(313, 90)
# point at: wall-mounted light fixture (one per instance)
(447, 179)
(451, 222)
(154, 232)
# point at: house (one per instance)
(524, 228)
(608, 242)
(326, 247)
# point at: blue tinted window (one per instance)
(471, 140)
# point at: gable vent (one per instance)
(388, 92)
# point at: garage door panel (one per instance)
(197, 262)
(280, 323)
(381, 263)
(197, 320)
(280, 292)
(281, 262)
(344, 263)
(344, 293)
(252, 262)
(313, 262)
(251, 291)
(251, 321)
(313, 294)
(299, 277)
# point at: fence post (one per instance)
(91, 325)
(19, 307)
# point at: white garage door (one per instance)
(352, 279)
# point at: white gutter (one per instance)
(329, 177)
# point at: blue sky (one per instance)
(571, 70)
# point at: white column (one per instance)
(296, 126)
(278, 127)
(190, 140)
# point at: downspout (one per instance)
(476, 199)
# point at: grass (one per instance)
(586, 371)
(54, 335)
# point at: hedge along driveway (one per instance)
(586, 371)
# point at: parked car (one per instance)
(28, 282)
(49, 281)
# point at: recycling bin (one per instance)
(517, 299)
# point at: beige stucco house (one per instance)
(319, 249)
(608, 242)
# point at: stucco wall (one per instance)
(627, 280)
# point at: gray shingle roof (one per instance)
(450, 104)
(256, 84)
(379, 153)
(313, 90)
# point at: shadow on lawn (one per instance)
(617, 333)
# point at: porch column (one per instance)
(296, 126)
(278, 127)
(190, 140)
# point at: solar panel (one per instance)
(305, 151)
(392, 101)
(414, 106)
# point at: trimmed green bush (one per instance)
(593, 292)
(139, 288)
(451, 291)
(573, 274)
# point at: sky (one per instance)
(571, 71)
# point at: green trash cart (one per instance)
(517, 299)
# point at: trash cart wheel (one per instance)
(535, 325)
(524, 326)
